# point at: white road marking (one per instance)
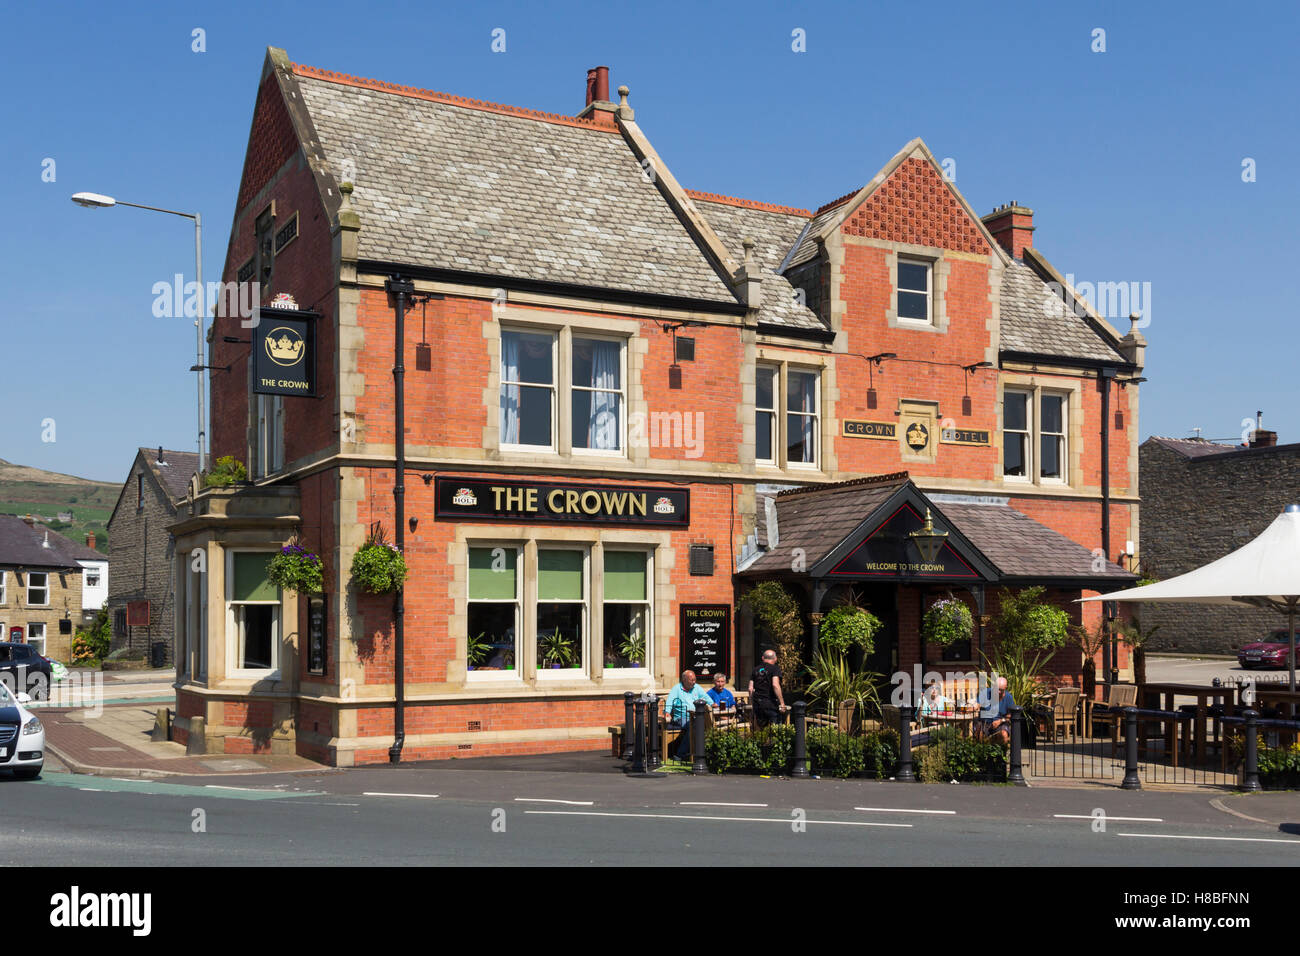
(689, 816)
(1175, 836)
(217, 786)
(903, 810)
(91, 789)
(423, 796)
(702, 803)
(572, 803)
(1107, 817)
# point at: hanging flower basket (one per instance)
(297, 569)
(378, 567)
(947, 622)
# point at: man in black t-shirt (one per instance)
(765, 690)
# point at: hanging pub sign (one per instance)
(543, 501)
(706, 639)
(284, 349)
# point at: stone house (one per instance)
(42, 585)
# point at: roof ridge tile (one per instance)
(747, 203)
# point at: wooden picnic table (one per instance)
(1149, 696)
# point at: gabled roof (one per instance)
(172, 474)
(449, 183)
(1192, 447)
(24, 545)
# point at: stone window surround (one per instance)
(230, 628)
(940, 266)
(526, 538)
(565, 326)
(1036, 385)
(785, 360)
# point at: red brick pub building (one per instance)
(618, 394)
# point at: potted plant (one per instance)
(558, 650)
(227, 471)
(477, 649)
(378, 567)
(631, 647)
(946, 622)
(296, 569)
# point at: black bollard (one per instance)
(638, 738)
(905, 774)
(800, 768)
(1250, 778)
(629, 722)
(1131, 780)
(699, 724)
(652, 759)
(1016, 774)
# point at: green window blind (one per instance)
(625, 576)
(251, 582)
(559, 575)
(492, 576)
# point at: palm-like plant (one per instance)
(833, 681)
(558, 649)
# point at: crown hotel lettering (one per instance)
(569, 501)
(543, 501)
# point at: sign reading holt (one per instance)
(284, 350)
(496, 500)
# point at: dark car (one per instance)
(1270, 652)
(25, 671)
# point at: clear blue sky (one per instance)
(1131, 159)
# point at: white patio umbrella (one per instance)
(1263, 573)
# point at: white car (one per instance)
(22, 736)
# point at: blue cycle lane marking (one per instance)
(77, 781)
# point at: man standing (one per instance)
(765, 690)
(679, 707)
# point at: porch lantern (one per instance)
(928, 541)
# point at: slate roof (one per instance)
(174, 475)
(1021, 547)
(23, 545)
(1035, 319)
(817, 519)
(808, 247)
(1193, 447)
(479, 191)
(773, 234)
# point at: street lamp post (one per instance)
(95, 200)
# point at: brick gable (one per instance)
(271, 141)
(915, 205)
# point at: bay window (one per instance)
(253, 613)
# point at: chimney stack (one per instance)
(598, 107)
(1260, 438)
(90, 540)
(1012, 226)
(29, 521)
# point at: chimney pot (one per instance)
(90, 540)
(1012, 226)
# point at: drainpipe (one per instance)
(1110, 648)
(401, 290)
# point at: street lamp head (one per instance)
(93, 200)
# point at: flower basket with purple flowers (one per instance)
(378, 567)
(297, 569)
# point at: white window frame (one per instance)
(815, 415)
(1031, 459)
(90, 582)
(554, 387)
(4, 587)
(515, 675)
(32, 637)
(45, 587)
(929, 289)
(1063, 435)
(545, 673)
(234, 626)
(269, 435)
(648, 602)
(774, 423)
(621, 391)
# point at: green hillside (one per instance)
(34, 491)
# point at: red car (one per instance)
(1270, 652)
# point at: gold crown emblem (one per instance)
(285, 346)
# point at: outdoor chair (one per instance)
(1064, 714)
(1118, 696)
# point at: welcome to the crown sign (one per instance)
(284, 349)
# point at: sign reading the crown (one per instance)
(284, 350)
(549, 501)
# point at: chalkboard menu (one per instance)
(706, 639)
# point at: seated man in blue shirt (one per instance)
(719, 694)
(679, 707)
(997, 717)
